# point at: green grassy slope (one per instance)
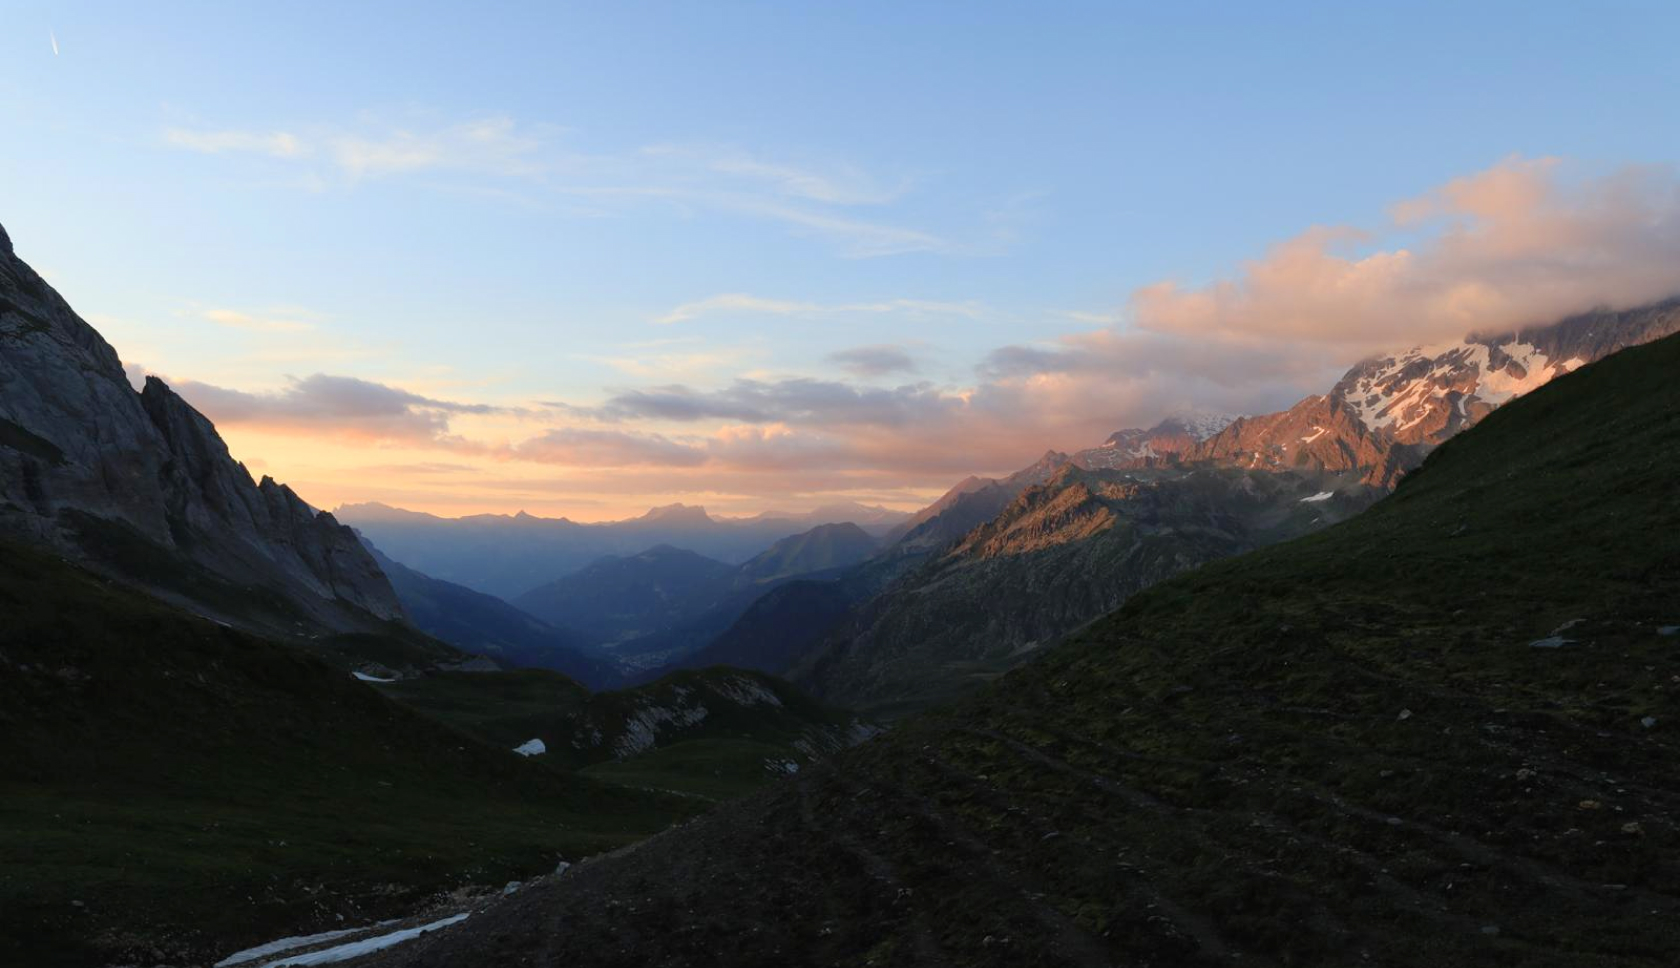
(1342, 750)
(173, 789)
(714, 733)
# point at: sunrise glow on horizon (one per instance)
(805, 255)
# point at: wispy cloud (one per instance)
(838, 184)
(281, 322)
(872, 361)
(818, 199)
(494, 145)
(742, 303)
(576, 447)
(277, 144)
(673, 364)
(335, 406)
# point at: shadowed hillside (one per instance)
(173, 788)
(1438, 734)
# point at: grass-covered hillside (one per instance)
(712, 733)
(1442, 733)
(174, 790)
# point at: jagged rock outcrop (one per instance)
(140, 484)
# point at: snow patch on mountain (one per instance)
(1199, 424)
(1401, 392)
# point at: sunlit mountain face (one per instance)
(1068, 484)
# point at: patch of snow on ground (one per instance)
(1320, 496)
(356, 949)
(367, 678)
(1317, 433)
(531, 747)
(287, 944)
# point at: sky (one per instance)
(584, 259)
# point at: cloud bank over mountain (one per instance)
(1526, 241)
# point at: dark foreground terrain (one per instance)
(1439, 734)
(173, 789)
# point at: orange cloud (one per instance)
(1518, 244)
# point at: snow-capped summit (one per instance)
(1387, 412)
(1200, 424)
(1173, 436)
(1429, 391)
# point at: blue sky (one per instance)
(509, 206)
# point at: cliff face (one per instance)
(141, 485)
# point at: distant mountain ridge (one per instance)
(485, 625)
(510, 555)
(647, 610)
(617, 598)
(995, 569)
(819, 549)
(141, 486)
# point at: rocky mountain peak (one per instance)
(88, 466)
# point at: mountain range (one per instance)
(1434, 734)
(995, 570)
(487, 626)
(650, 610)
(1387, 677)
(509, 555)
